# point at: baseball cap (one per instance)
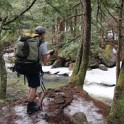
(40, 30)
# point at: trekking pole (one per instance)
(41, 82)
(43, 94)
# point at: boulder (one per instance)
(94, 63)
(108, 63)
(50, 62)
(66, 64)
(79, 118)
(58, 63)
(103, 67)
(110, 56)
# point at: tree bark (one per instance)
(3, 74)
(75, 22)
(53, 33)
(119, 40)
(82, 61)
(116, 115)
(61, 30)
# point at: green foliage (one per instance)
(6, 6)
(69, 50)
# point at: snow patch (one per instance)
(24, 118)
(59, 71)
(100, 76)
(94, 75)
(88, 108)
(97, 90)
(47, 101)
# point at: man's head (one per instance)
(41, 31)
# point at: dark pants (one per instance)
(33, 80)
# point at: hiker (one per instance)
(33, 77)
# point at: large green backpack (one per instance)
(27, 54)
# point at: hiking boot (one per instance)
(32, 107)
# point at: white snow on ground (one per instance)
(92, 77)
(59, 71)
(100, 76)
(46, 69)
(87, 108)
(25, 119)
(100, 91)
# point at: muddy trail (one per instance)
(58, 107)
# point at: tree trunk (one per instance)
(61, 30)
(3, 74)
(75, 23)
(116, 115)
(119, 40)
(82, 60)
(53, 33)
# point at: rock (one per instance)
(94, 63)
(50, 62)
(103, 67)
(93, 66)
(108, 63)
(66, 64)
(58, 63)
(109, 59)
(79, 118)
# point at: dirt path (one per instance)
(58, 106)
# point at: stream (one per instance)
(17, 89)
(55, 78)
(98, 83)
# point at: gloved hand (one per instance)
(51, 52)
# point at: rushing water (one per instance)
(16, 87)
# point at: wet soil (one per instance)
(53, 107)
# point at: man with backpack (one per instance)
(30, 51)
